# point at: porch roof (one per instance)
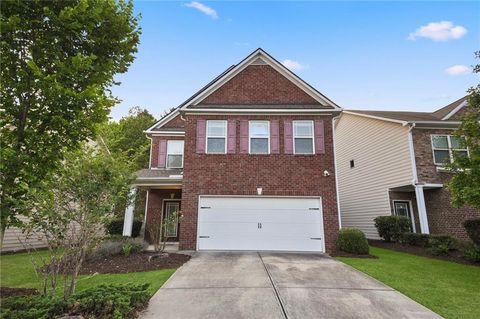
(158, 177)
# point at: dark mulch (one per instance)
(9, 292)
(344, 254)
(119, 264)
(454, 255)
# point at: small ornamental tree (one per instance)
(58, 61)
(465, 183)
(77, 204)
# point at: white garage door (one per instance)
(260, 223)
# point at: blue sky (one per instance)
(362, 55)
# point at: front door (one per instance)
(402, 208)
(169, 208)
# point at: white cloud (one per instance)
(293, 65)
(203, 9)
(438, 31)
(458, 70)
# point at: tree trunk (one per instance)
(3, 227)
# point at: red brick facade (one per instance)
(442, 217)
(241, 174)
(259, 84)
(155, 208)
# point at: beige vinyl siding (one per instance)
(15, 240)
(382, 161)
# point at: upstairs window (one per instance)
(444, 146)
(216, 137)
(259, 137)
(174, 154)
(303, 137)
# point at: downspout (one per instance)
(334, 122)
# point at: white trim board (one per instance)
(455, 110)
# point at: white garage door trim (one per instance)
(320, 211)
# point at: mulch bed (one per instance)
(10, 292)
(454, 255)
(119, 264)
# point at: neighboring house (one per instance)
(249, 161)
(393, 163)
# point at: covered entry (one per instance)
(260, 223)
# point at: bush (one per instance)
(414, 239)
(115, 227)
(392, 227)
(104, 301)
(352, 241)
(472, 253)
(115, 247)
(126, 249)
(441, 244)
(472, 226)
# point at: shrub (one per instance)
(115, 247)
(126, 249)
(472, 253)
(414, 239)
(441, 244)
(352, 241)
(104, 301)
(115, 227)
(472, 226)
(392, 227)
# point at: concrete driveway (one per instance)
(276, 285)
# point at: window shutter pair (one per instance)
(274, 137)
(319, 136)
(202, 135)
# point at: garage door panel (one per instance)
(260, 223)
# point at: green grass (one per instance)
(450, 289)
(16, 270)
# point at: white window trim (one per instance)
(449, 149)
(168, 153)
(216, 136)
(250, 137)
(312, 137)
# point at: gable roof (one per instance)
(441, 116)
(258, 56)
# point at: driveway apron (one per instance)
(276, 285)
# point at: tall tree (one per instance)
(465, 184)
(126, 137)
(58, 60)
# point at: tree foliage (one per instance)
(126, 137)
(72, 210)
(465, 184)
(58, 60)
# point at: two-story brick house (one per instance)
(249, 161)
(392, 162)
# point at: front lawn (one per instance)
(452, 290)
(16, 270)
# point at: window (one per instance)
(444, 146)
(259, 137)
(216, 137)
(174, 154)
(303, 137)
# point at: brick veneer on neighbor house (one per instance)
(442, 217)
(259, 84)
(241, 174)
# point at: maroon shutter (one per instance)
(319, 137)
(288, 137)
(274, 137)
(231, 136)
(162, 153)
(243, 136)
(201, 132)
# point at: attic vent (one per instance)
(259, 61)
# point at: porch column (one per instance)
(422, 210)
(128, 219)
